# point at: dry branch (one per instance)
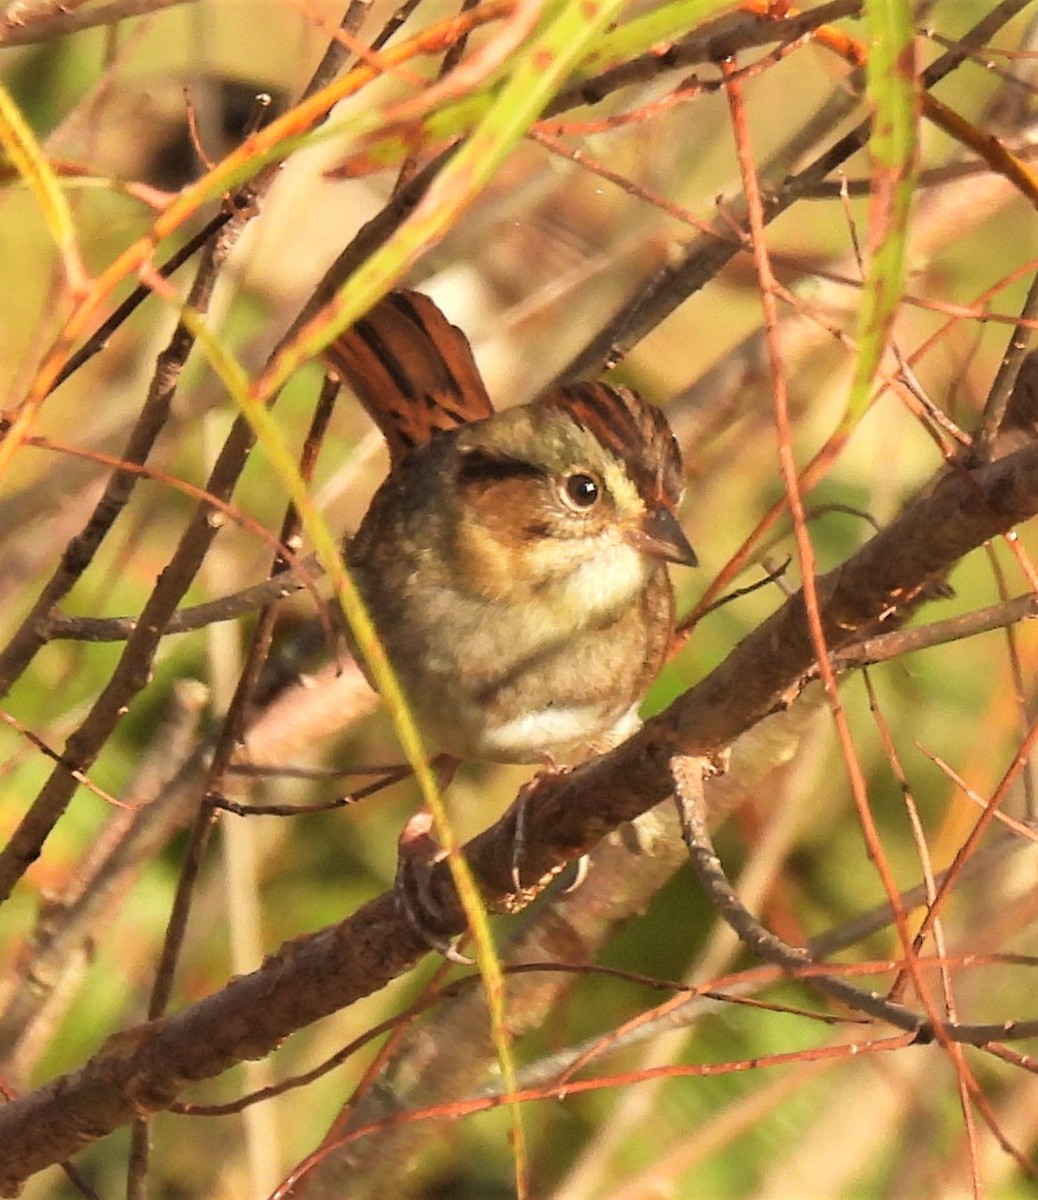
(144, 1069)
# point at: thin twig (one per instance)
(883, 647)
(1005, 381)
(701, 260)
(99, 339)
(687, 774)
(185, 620)
(314, 975)
(744, 32)
(80, 552)
(67, 926)
(60, 24)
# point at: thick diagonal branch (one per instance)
(144, 1069)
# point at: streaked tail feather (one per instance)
(411, 369)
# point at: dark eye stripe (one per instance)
(479, 467)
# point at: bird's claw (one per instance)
(419, 852)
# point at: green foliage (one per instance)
(518, 239)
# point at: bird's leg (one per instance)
(418, 852)
(549, 769)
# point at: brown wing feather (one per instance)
(412, 370)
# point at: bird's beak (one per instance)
(660, 536)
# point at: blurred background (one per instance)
(531, 271)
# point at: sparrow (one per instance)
(513, 562)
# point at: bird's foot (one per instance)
(419, 852)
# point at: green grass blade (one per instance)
(893, 92)
(28, 159)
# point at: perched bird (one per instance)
(514, 563)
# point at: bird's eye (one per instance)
(582, 491)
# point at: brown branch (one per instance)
(451, 1053)
(15, 32)
(687, 774)
(703, 257)
(144, 1069)
(1004, 390)
(885, 646)
(224, 749)
(717, 41)
(796, 961)
(132, 672)
(67, 925)
(185, 620)
(79, 553)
